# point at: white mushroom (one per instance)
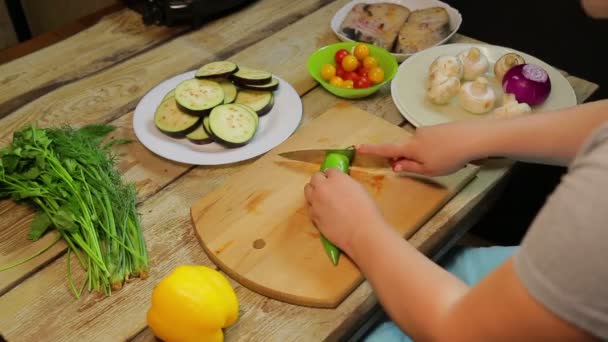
(474, 63)
(442, 88)
(476, 96)
(447, 65)
(510, 107)
(506, 62)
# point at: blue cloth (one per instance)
(470, 264)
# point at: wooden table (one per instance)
(99, 75)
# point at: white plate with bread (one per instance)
(410, 87)
(403, 27)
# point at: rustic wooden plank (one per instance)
(110, 92)
(171, 243)
(115, 38)
(16, 247)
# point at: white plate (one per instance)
(274, 128)
(408, 88)
(455, 18)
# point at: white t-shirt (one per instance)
(563, 260)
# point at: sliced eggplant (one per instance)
(197, 96)
(232, 125)
(206, 126)
(252, 112)
(169, 94)
(260, 101)
(216, 69)
(199, 136)
(229, 88)
(270, 86)
(266, 109)
(252, 76)
(229, 91)
(174, 122)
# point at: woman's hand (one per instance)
(432, 151)
(341, 208)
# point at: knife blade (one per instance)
(316, 156)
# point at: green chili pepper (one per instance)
(340, 160)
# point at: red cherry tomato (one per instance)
(340, 71)
(362, 72)
(351, 75)
(363, 82)
(340, 54)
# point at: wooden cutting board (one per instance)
(256, 227)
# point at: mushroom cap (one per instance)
(510, 107)
(511, 110)
(476, 96)
(474, 63)
(506, 62)
(448, 65)
(443, 92)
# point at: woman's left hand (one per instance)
(341, 208)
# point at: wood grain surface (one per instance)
(99, 75)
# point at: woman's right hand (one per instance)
(432, 150)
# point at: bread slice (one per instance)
(423, 29)
(376, 24)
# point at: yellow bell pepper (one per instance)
(193, 303)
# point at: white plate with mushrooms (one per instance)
(412, 94)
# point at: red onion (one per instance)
(528, 82)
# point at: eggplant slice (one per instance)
(199, 136)
(270, 86)
(174, 122)
(260, 101)
(198, 96)
(216, 69)
(252, 76)
(232, 125)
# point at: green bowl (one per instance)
(325, 55)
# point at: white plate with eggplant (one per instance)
(455, 82)
(221, 113)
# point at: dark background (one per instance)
(561, 34)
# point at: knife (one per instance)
(317, 156)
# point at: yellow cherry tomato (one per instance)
(328, 71)
(370, 62)
(350, 63)
(348, 84)
(336, 81)
(376, 75)
(361, 51)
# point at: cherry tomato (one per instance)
(350, 75)
(340, 71)
(376, 75)
(340, 54)
(370, 62)
(361, 51)
(350, 63)
(349, 84)
(362, 72)
(328, 71)
(336, 81)
(363, 82)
